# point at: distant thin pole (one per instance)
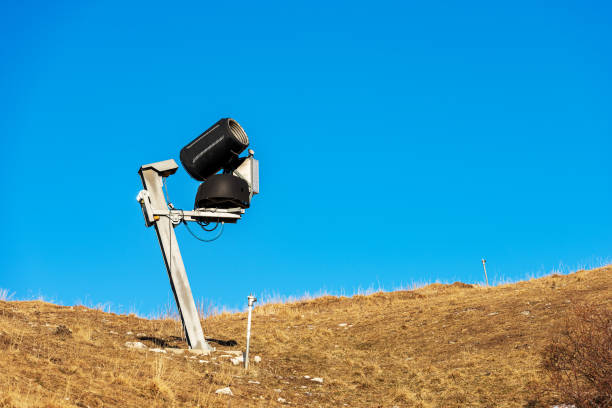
(485, 270)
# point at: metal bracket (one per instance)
(229, 215)
(249, 171)
(144, 199)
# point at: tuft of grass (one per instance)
(5, 295)
(579, 358)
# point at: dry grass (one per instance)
(437, 346)
(579, 359)
(5, 295)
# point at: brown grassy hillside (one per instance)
(438, 346)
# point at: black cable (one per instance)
(202, 224)
(205, 239)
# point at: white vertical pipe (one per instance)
(251, 299)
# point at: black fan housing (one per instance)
(223, 191)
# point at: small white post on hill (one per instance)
(251, 299)
(485, 271)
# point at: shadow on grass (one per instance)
(228, 343)
(172, 340)
(161, 342)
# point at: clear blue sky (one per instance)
(398, 142)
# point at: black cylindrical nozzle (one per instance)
(214, 149)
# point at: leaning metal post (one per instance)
(151, 175)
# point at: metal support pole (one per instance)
(151, 175)
(485, 271)
(252, 299)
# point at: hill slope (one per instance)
(441, 345)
